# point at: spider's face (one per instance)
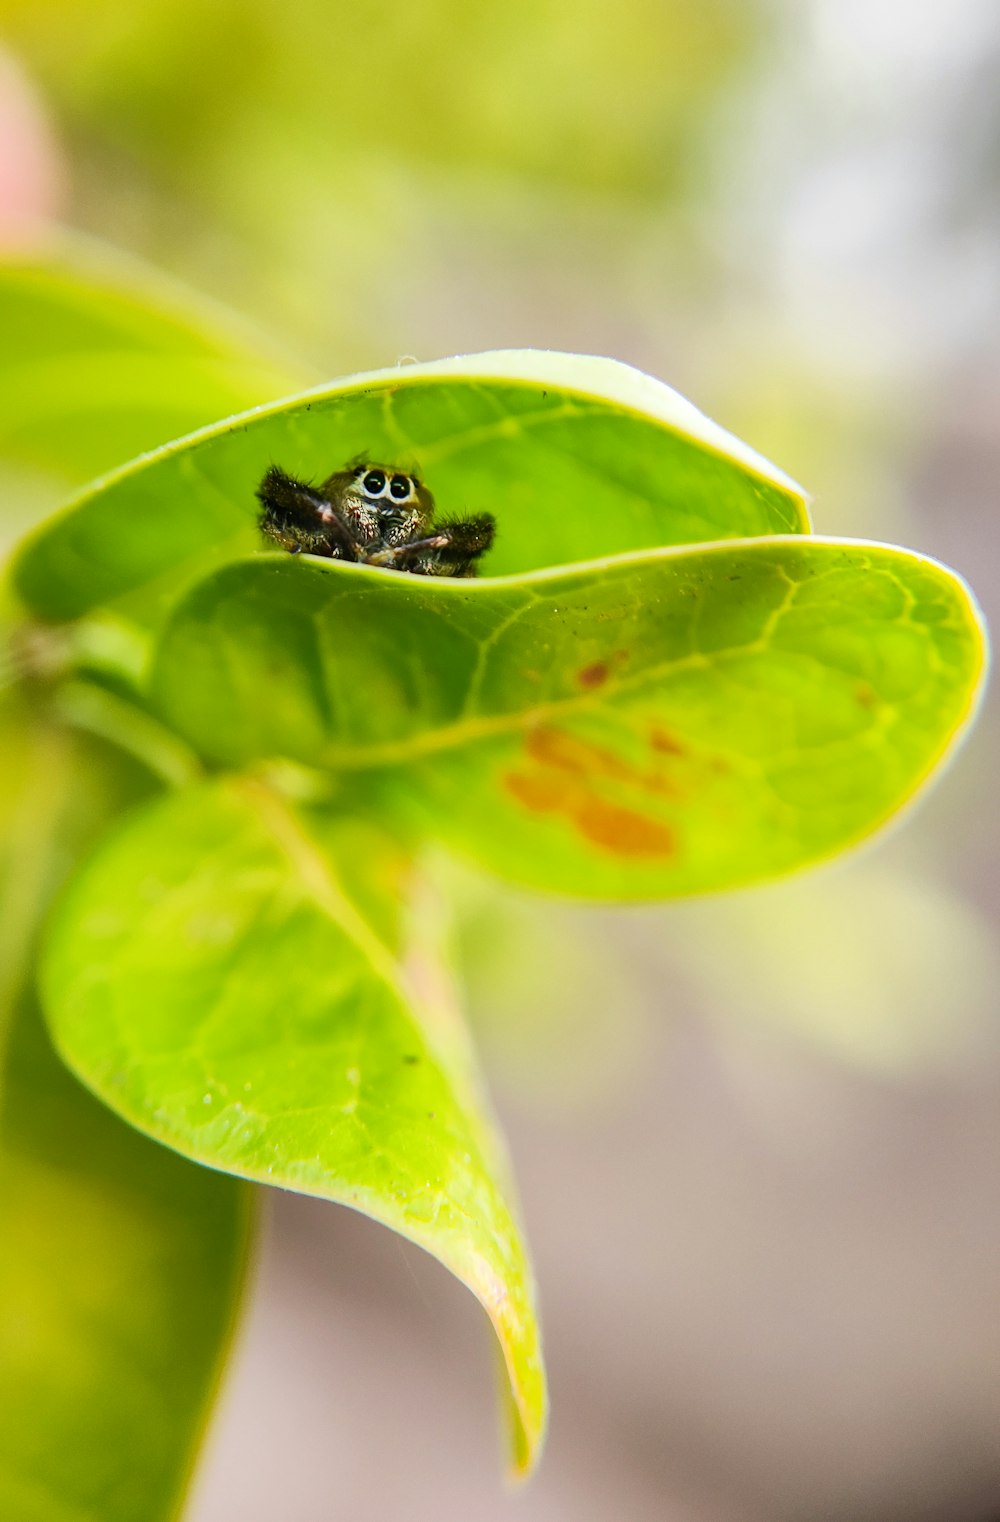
(382, 502)
(392, 487)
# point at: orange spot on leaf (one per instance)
(570, 777)
(622, 831)
(541, 794)
(569, 753)
(608, 825)
(559, 749)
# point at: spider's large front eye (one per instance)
(400, 487)
(374, 483)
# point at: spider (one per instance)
(375, 514)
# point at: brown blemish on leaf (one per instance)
(594, 675)
(866, 695)
(569, 778)
(665, 743)
(598, 672)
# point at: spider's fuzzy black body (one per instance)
(375, 514)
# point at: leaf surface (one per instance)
(210, 978)
(648, 726)
(575, 456)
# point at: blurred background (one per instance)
(757, 1137)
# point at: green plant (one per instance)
(241, 760)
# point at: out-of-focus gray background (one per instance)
(758, 1138)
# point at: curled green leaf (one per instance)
(576, 457)
(211, 979)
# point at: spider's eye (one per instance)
(399, 486)
(374, 483)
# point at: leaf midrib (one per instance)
(493, 726)
(313, 871)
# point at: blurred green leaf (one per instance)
(119, 1263)
(119, 1267)
(577, 457)
(650, 726)
(102, 360)
(211, 978)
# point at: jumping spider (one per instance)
(371, 513)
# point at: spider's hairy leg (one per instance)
(295, 516)
(391, 554)
(450, 548)
(465, 540)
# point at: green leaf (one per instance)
(576, 457)
(102, 359)
(211, 980)
(120, 1264)
(649, 726)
